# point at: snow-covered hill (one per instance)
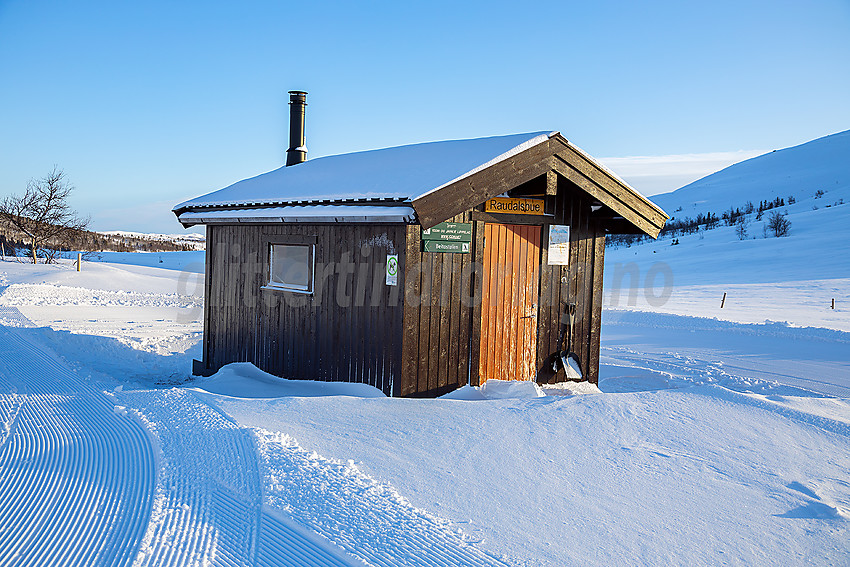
(822, 164)
(791, 279)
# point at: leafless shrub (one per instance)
(742, 228)
(778, 225)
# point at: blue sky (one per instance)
(146, 104)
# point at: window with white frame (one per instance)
(291, 267)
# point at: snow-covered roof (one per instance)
(435, 180)
(402, 173)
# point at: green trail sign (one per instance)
(449, 231)
(441, 246)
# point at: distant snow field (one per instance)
(134, 320)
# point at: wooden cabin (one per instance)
(416, 269)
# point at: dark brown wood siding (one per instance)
(442, 341)
(350, 327)
(437, 317)
(420, 338)
(579, 283)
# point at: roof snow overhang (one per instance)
(400, 213)
(436, 180)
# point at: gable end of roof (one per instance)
(552, 154)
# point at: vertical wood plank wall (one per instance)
(437, 358)
(579, 283)
(348, 330)
(437, 317)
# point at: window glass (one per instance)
(291, 266)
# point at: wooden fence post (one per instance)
(79, 261)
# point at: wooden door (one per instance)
(509, 302)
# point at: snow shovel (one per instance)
(572, 367)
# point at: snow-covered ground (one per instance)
(186, 261)
(708, 442)
(792, 279)
(131, 320)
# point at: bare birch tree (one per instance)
(43, 214)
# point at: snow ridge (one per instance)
(367, 519)
(51, 294)
(207, 493)
(12, 317)
(208, 508)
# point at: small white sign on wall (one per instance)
(392, 269)
(559, 245)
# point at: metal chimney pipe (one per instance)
(297, 151)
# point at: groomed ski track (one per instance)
(161, 478)
(76, 476)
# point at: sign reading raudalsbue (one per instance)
(448, 237)
(514, 206)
